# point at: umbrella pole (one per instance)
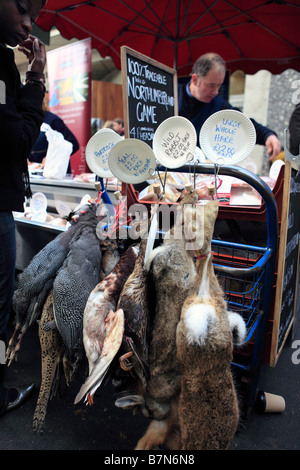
(175, 57)
(177, 33)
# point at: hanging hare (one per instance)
(203, 411)
(208, 411)
(171, 277)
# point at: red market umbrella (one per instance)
(250, 35)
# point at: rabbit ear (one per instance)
(191, 231)
(211, 211)
(194, 228)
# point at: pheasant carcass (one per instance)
(73, 284)
(103, 326)
(52, 351)
(36, 281)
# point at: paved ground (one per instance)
(104, 427)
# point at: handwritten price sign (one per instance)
(98, 149)
(135, 165)
(227, 136)
(224, 137)
(132, 161)
(174, 142)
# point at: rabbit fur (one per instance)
(200, 405)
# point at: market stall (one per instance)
(34, 231)
(245, 272)
(143, 302)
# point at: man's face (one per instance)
(16, 18)
(206, 88)
(117, 127)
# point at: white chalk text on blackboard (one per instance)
(138, 89)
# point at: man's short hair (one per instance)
(119, 121)
(206, 62)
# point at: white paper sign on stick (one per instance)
(227, 136)
(174, 142)
(97, 151)
(132, 161)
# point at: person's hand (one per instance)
(42, 165)
(35, 51)
(273, 146)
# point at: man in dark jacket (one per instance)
(20, 119)
(199, 99)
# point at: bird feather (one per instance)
(35, 282)
(114, 328)
(71, 289)
(101, 301)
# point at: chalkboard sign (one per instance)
(149, 94)
(288, 262)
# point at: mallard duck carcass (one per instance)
(101, 307)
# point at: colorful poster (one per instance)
(69, 77)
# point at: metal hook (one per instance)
(164, 185)
(189, 160)
(217, 167)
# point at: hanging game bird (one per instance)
(133, 301)
(52, 351)
(38, 278)
(73, 284)
(103, 326)
(110, 256)
(34, 285)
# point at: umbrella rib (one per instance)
(212, 28)
(225, 32)
(207, 9)
(186, 11)
(161, 21)
(278, 36)
(92, 4)
(139, 15)
(158, 37)
(94, 36)
(133, 21)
